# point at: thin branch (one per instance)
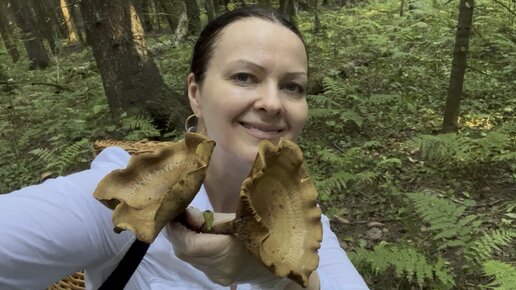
(504, 6)
(478, 71)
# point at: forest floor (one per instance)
(413, 208)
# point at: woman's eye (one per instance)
(242, 78)
(295, 88)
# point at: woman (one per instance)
(247, 83)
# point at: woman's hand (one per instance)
(223, 258)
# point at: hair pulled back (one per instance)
(205, 45)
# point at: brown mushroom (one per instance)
(133, 147)
(156, 187)
(278, 218)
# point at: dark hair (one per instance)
(205, 45)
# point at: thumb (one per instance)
(193, 218)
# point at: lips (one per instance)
(262, 131)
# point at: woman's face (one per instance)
(254, 88)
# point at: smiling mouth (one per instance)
(262, 132)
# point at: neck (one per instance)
(223, 181)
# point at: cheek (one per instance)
(301, 115)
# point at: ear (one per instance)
(193, 89)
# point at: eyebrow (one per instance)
(253, 65)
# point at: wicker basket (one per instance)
(72, 282)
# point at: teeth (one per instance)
(256, 128)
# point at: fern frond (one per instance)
(43, 154)
(70, 155)
(339, 160)
(505, 274)
(351, 115)
(139, 127)
(406, 263)
(321, 113)
(366, 176)
(445, 218)
(337, 182)
(482, 249)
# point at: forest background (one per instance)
(411, 135)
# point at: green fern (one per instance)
(442, 150)
(446, 219)
(406, 262)
(138, 128)
(505, 275)
(452, 150)
(482, 249)
(61, 160)
(335, 183)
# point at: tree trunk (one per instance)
(45, 25)
(156, 10)
(292, 11)
(314, 9)
(38, 57)
(142, 7)
(55, 7)
(131, 79)
(68, 21)
(7, 32)
(210, 10)
(78, 21)
(172, 10)
(458, 69)
(194, 21)
(266, 3)
(283, 7)
(216, 7)
(181, 29)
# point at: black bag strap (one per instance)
(125, 269)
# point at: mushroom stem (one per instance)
(226, 227)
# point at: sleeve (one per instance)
(56, 228)
(335, 269)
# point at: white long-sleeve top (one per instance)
(56, 228)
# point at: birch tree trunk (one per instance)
(70, 25)
(458, 68)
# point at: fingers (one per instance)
(222, 217)
(189, 243)
(194, 218)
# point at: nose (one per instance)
(268, 100)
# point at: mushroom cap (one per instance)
(133, 147)
(156, 187)
(278, 218)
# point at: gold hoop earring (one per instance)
(191, 123)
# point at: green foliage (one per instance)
(371, 143)
(458, 150)
(505, 274)
(406, 262)
(60, 161)
(483, 248)
(344, 170)
(140, 127)
(447, 219)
